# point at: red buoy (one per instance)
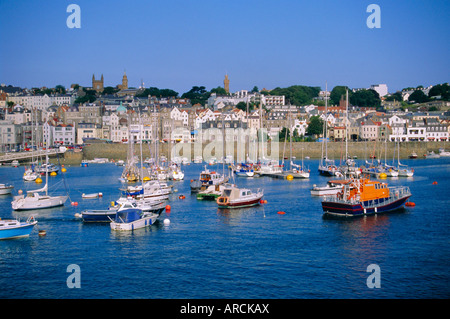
(167, 208)
(281, 213)
(410, 204)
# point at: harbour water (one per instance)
(208, 252)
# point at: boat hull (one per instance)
(137, 224)
(6, 190)
(334, 208)
(98, 216)
(241, 204)
(325, 191)
(23, 230)
(43, 203)
(326, 172)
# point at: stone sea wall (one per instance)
(336, 150)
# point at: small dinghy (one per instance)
(93, 195)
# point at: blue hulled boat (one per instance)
(14, 228)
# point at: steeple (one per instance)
(124, 81)
(226, 84)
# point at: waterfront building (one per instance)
(88, 130)
(10, 135)
(416, 131)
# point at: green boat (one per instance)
(212, 192)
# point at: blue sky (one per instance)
(177, 44)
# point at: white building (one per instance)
(381, 89)
(42, 102)
(10, 135)
(417, 131)
(63, 134)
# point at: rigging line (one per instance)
(63, 179)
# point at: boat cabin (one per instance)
(366, 189)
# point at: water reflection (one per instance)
(235, 216)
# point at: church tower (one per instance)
(226, 84)
(97, 84)
(124, 81)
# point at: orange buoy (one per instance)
(281, 213)
(181, 197)
(434, 183)
(74, 203)
(410, 204)
(265, 201)
(261, 201)
(168, 208)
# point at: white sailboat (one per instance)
(403, 170)
(327, 166)
(38, 198)
(30, 174)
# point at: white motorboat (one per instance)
(331, 188)
(93, 195)
(132, 219)
(443, 153)
(6, 189)
(234, 197)
(30, 175)
(47, 168)
(270, 167)
(207, 178)
(14, 228)
(431, 154)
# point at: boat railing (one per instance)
(395, 193)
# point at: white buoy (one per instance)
(166, 222)
(78, 215)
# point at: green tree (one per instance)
(442, 90)
(109, 90)
(242, 106)
(338, 92)
(197, 94)
(283, 134)
(85, 99)
(255, 89)
(418, 96)
(315, 126)
(397, 96)
(219, 91)
(297, 94)
(60, 89)
(153, 91)
(366, 98)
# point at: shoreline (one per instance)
(336, 150)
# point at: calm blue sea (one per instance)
(247, 253)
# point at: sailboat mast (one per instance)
(326, 121)
(346, 126)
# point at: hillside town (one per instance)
(56, 117)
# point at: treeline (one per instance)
(418, 96)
